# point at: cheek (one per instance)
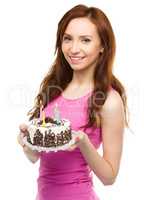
(64, 48)
(93, 53)
(64, 51)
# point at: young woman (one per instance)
(82, 83)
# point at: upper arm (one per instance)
(112, 118)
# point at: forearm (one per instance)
(101, 167)
(32, 156)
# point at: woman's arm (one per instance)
(106, 167)
(33, 156)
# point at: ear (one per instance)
(101, 50)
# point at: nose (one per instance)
(75, 48)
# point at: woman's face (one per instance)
(81, 44)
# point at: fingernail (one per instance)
(77, 139)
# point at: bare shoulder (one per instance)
(113, 103)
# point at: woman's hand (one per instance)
(80, 138)
(23, 133)
(33, 156)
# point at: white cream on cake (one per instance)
(54, 128)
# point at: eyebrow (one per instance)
(81, 36)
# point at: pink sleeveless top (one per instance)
(65, 175)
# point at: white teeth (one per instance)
(76, 58)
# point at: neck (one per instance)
(82, 79)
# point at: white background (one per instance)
(27, 40)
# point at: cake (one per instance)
(52, 134)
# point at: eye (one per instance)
(86, 40)
(66, 39)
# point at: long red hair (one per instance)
(60, 74)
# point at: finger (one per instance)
(77, 139)
(81, 135)
(23, 128)
(19, 140)
(72, 147)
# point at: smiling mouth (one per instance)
(76, 59)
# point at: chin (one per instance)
(78, 68)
